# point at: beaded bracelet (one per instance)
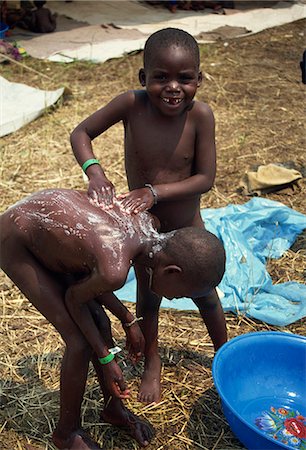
(153, 192)
(88, 163)
(129, 324)
(107, 359)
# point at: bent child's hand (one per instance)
(101, 191)
(114, 381)
(135, 342)
(136, 201)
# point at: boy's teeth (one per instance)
(172, 100)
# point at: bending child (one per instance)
(66, 254)
(170, 160)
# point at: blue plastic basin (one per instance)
(261, 380)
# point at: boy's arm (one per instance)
(204, 168)
(76, 299)
(100, 188)
(135, 342)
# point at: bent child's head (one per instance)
(194, 264)
(171, 72)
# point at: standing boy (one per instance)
(170, 160)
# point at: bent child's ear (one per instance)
(200, 79)
(171, 269)
(142, 77)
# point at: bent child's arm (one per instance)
(135, 342)
(76, 299)
(98, 287)
(100, 188)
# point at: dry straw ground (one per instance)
(254, 86)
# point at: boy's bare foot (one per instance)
(117, 414)
(150, 391)
(79, 441)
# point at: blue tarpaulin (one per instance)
(251, 233)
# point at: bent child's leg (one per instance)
(46, 293)
(114, 411)
(148, 304)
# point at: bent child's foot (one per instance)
(79, 441)
(116, 414)
(150, 390)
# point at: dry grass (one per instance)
(254, 87)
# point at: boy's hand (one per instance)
(101, 191)
(135, 342)
(136, 201)
(114, 381)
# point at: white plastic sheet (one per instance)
(21, 104)
(118, 27)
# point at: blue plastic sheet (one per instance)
(251, 233)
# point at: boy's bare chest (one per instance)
(152, 144)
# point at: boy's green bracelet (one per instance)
(88, 163)
(107, 359)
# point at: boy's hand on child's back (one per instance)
(114, 381)
(101, 191)
(136, 201)
(135, 343)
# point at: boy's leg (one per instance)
(114, 411)
(148, 304)
(210, 308)
(46, 293)
(212, 313)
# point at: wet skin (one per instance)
(67, 255)
(67, 252)
(169, 143)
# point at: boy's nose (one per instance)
(173, 85)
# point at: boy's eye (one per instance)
(160, 77)
(186, 78)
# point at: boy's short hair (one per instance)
(166, 38)
(199, 253)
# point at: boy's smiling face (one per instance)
(171, 79)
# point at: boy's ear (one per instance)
(200, 79)
(142, 77)
(172, 269)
